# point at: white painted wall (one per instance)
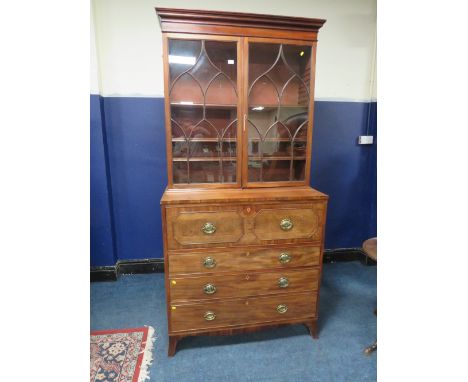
(129, 51)
(94, 80)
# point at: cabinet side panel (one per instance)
(311, 113)
(167, 110)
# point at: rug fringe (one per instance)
(147, 356)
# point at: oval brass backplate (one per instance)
(209, 262)
(209, 289)
(283, 282)
(281, 308)
(209, 316)
(209, 228)
(284, 258)
(286, 224)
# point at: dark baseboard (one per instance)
(125, 267)
(346, 254)
(342, 254)
(130, 267)
(103, 274)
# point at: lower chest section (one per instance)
(241, 265)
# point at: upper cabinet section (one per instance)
(238, 98)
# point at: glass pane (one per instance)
(182, 56)
(278, 108)
(276, 170)
(221, 91)
(295, 119)
(255, 168)
(299, 169)
(186, 90)
(203, 129)
(179, 149)
(184, 118)
(205, 172)
(224, 56)
(223, 121)
(203, 97)
(229, 149)
(277, 149)
(203, 149)
(229, 171)
(180, 173)
(300, 149)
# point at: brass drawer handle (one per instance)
(209, 289)
(209, 228)
(209, 316)
(281, 308)
(283, 282)
(209, 262)
(284, 258)
(286, 224)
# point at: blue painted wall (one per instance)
(345, 170)
(135, 137)
(102, 251)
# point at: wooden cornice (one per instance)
(171, 16)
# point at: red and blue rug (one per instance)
(121, 355)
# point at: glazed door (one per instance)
(203, 105)
(278, 112)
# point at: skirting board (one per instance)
(125, 267)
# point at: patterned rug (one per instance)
(121, 355)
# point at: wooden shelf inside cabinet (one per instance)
(263, 107)
(207, 140)
(205, 159)
(200, 105)
(257, 158)
(278, 140)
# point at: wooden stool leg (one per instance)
(312, 325)
(172, 345)
(370, 349)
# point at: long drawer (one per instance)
(227, 313)
(242, 284)
(231, 260)
(236, 225)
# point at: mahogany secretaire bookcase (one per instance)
(243, 230)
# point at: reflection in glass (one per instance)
(276, 170)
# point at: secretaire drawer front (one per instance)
(231, 260)
(195, 227)
(242, 311)
(242, 284)
(289, 223)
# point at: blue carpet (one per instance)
(346, 326)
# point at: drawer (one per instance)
(218, 226)
(241, 225)
(287, 223)
(231, 260)
(255, 310)
(242, 284)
